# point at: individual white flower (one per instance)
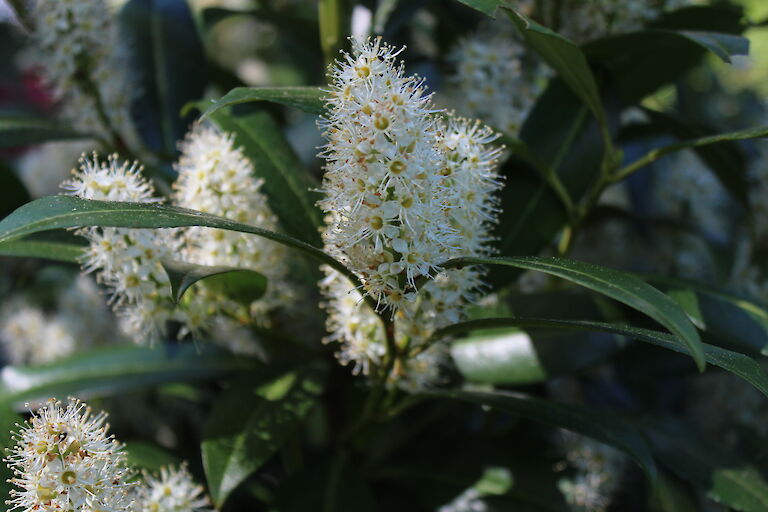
(598, 470)
(74, 44)
(63, 459)
(44, 167)
(128, 261)
(216, 177)
(494, 77)
(173, 490)
(29, 337)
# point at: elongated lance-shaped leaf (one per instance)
(620, 286)
(308, 99)
(22, 131)
(56, 251)
(593, 423)
(570, 63)
(238, 283)
(63, 212)
(115, 369)
(735, 362)
(655, 154)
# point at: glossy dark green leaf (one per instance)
(688, 300)
(245, 429)
(487, 7)
(287, 183)
(239, 284)
(739, 364)
(63, 212)
(168, 67)
(620, 286)
(592, 423)
(672, 496)
(111, 370)
(308, 99)
(724, 478)
(723, 45)
(566, 58)
(733, 321)
(22, 131)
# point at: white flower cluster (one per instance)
(127, 260)
(404, 192)
(30, 336)
(64, 460)
(598, 470)
(39, 176)
(216, 177)
(494, 77)
(581, 20)
(75, 47)
(173, 490)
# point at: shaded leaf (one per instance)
(115, 369)
(724, 478)
(21, 131)
(308, 99)
(620, 286)
(723, 45)
(734, 362)
(245, 429)
(487, 7)
(592, 423)
(239, 284)
(168, 65)
(56, 251)
(566, 58)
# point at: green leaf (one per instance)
(688, 300)
(620, 286)
(332, 15)
(21, 131)
(143, 455)
(115, 369)
(672, 496)
(288, 185)
(487, 7)
(724, 478)
(655, 154)
(56, 251)
(592, 423)
(8, 421)
(242, 285)
(63, 212)
(568, 60)
(308, 99)
(739, 364)
(167, 59)
(245, 429)
(726, 159)
(511, 356)
(722, 45)
(734, 321)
